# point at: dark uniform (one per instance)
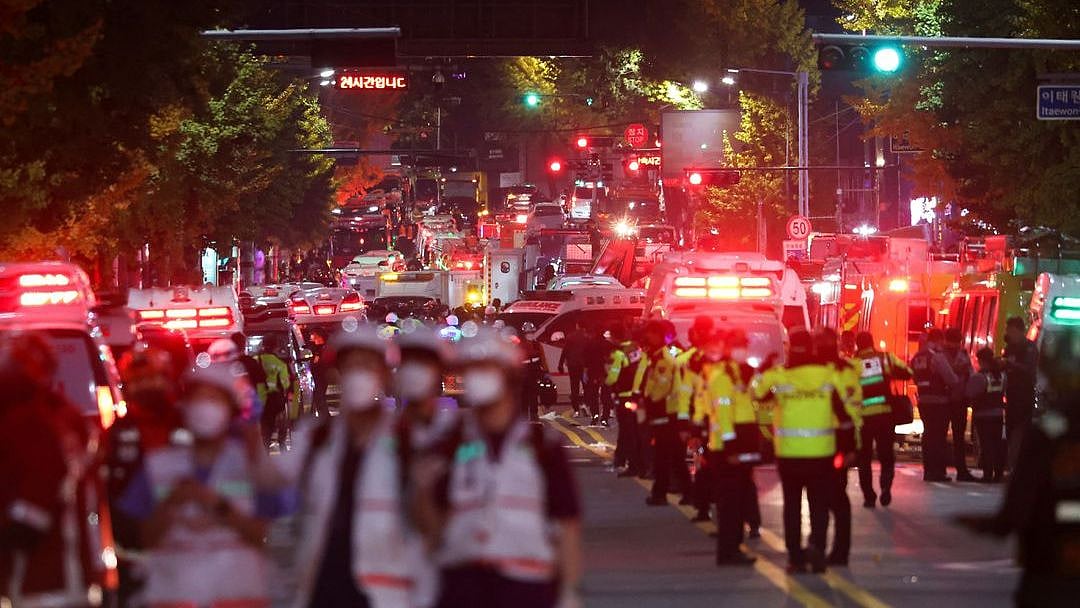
(986, 390)
(878, 434)
(935, 381)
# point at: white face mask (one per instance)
(206, 418)
(417, 380)
(483, 387)
(359, 389)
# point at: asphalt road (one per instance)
(907, 555)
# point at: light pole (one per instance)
(802, 80)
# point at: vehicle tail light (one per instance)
(47, 298)
(351, 303)
(106, 406)
(151, 315)
(325, 309)
(300, 307)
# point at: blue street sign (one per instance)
(1058, 102)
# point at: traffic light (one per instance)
(718, 178)
(531, 99)
(633, 165)
(879, 59)
(555, 166)
(584, 142)
(581, 142)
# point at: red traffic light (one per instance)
(555, 166)
(695, 179)
(720, 178)
(582, 142)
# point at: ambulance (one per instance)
(204, 313)
(743, 290)
(547, 317)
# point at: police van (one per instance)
(737, 290)
(204, 313)
(548, 317)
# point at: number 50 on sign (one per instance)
(798, 227)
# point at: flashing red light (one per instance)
(582, 142)
(555, 166)
(695, 179)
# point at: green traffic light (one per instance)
(887, 59)
(532, 99)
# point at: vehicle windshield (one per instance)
(517, 319)
(546, 210)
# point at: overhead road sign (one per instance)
(1058, 102)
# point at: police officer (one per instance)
(1041, 498)
(935, 380)
(1019, 357)
(877, 370)
(807, 411)
(273, 392)
(668, 450)
(958, 406)
(827, 352)
(505, 513)
(986, 391)
(355, 548)
(732, 438)
(625, 370)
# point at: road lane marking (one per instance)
(577, 440)
(591, 432)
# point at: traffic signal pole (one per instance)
(954, 41)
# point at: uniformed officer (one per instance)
(877, 370)
(273, 392)
(625, 370)
(747, 424)
(826, 351)
(687, 382)
(668, 450)
(807, 411)
(935, 380)
(986, 391)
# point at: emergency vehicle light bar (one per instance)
(723, 287)
(44, 280)
(47, 298)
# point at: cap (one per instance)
(223, 349)
(391, 317)
(229, 378)
(362, 337)
(488, 346)
(423, 338)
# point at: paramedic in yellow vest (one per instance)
(747, 424)
(625, 370)
(689, 380)
(827, 352)
(669, 452)
(728, 455)
(273, 392)
(877, 370)
(204, 513)
(504, 511)
(353, 545)
(806, 411)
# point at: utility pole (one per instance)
(804, 143)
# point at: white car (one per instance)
(326, 306)
(582, 201)
(545, 216)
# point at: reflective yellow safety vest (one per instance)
(714, 403)
(850, 390)
(625, 371)
(685, 383)
(804, 422)
(659, 380)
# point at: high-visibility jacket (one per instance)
(805, 411)
(202, 562)
(686, 378)
(388, 559)
(659, 380)
(497, 508)
(625, 370)
(849, 388)
(876, 370)
(277, 376)
(730, 412)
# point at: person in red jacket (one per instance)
(50, 547)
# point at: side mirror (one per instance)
(306, 354)
(558, 336)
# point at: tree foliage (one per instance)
(972, 109)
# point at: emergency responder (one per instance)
(390, 327)
(626, 368)
(986, 392)
(725, 415)
(848, 344)
(355, 548)
(150, 391)
(669, 452)
(827, 352)
(204, 512)
(50, 550)
(1041, 498)
(231, 350)
(960, 362)
(501, 503)
(737, 354)
(573, 361)
(1020, 356)
(532, 372)
(686, 380)
(807, 413)
(597, 354)
(877, 370)
(935, 380)
(273, 392)
(692, 380)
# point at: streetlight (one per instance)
(728, 80)
(700, 86)
(802, 79)
(327, 73)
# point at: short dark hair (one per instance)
(953, 334)
(1016, 323)
(985, 354)
(863, 339)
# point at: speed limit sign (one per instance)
(798, 227)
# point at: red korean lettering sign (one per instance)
(636, 135)
(372, 80)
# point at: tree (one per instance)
(971, 109)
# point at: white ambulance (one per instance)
(204, 313)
